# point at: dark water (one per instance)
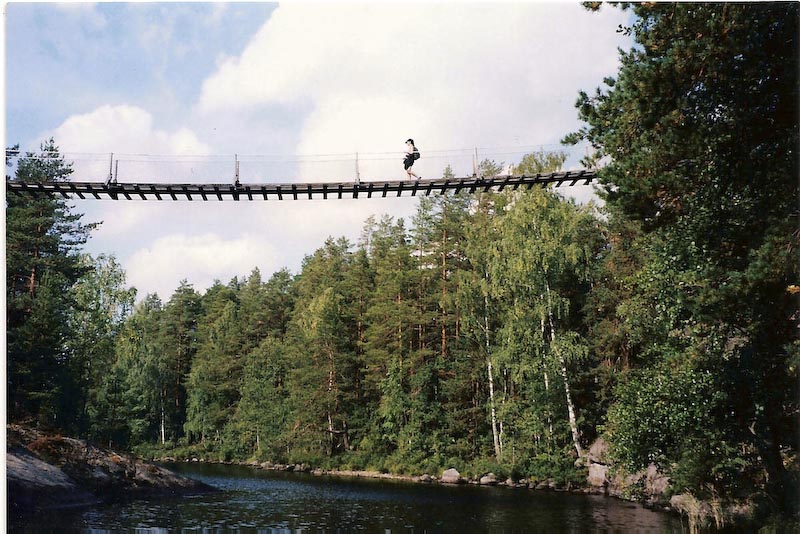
(258, 501)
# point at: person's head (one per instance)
(410, 142)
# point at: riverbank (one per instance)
(47, 471)
(649, 487)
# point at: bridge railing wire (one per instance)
(278, 168)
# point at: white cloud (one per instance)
(123, 129)
(161, 266)
(450, 75)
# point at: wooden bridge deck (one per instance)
(293, 191)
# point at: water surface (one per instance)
(257, 501)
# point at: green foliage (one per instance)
(698, 134)
(43, 264)
(658, 411)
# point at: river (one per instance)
(258, 501)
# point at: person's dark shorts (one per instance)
(408, 161)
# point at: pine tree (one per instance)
(178, 345)
(43, 239)
(102, 304)
(700, 126)
(214, 382)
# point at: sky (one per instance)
(178, 92)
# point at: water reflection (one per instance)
(255, 501)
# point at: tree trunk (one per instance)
(32, 279)
(498, 451)
(163, 419)
(444, 287)
(576, 436)
(547, 392)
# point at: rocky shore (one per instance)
(649, 487)
(45, 471)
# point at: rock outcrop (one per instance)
(51, 471)
(451, 476)
(488, 480)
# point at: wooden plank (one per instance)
(75, 190)
(153, 191)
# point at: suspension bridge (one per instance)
(267, 171)
(292, 191)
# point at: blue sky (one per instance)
(65, 59)
(175, 90)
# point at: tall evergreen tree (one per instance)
(131, 404)
(178, 342)
(102, 303)
(43, 240)
(700, 127)
(214, 379)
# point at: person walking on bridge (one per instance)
(412, 155)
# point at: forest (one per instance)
(501, 331)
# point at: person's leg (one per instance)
(410, 173)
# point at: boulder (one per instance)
(598, 475)
(488, 480)
(33, 484)
(598, 452)
(426, 478)
(451, 476)
(656, 483)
